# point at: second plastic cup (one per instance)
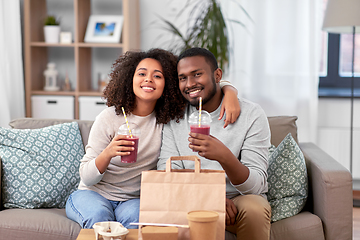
(135, 131)
(202, 225)
(200, 126)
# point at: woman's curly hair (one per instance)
(119, 91)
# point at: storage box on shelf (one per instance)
(90, 107)
(52, 106)
(38, 53)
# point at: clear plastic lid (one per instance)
(134, 129)
(205, 118)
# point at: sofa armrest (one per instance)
(331, 188)
(1, 205)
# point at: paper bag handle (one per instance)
(177, 158)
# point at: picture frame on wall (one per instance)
(104, 29)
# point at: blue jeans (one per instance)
(87, 207)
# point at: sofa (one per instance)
(326, 215)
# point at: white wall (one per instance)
(334, 131)
(152, 27)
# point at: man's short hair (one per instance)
(209, 56)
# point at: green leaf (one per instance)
(207, 29)
(51, 20)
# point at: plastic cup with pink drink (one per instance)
(133, 131)
(200, 123)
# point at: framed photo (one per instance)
(104, 29)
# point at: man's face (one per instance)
(196, 79)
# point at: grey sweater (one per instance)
(120, 181)
(248, 139)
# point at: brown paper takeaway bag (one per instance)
(167, 196)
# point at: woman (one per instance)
(146, 85)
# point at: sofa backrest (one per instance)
(33, 123)
(280, 126)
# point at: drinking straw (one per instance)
(127, 123)
(200, 106)
(161, 225)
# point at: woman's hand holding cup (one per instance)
(121, 145)
(131, 132)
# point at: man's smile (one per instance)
(194, 92)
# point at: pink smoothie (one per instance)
(203, 129)
(133, 154)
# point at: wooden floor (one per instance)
(356, 223)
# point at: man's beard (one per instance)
(207, 98)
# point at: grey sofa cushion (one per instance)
(287, 179)
(33, 123)
(40, 166)
(304, 225)
(35, 224)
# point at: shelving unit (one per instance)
(37, 51)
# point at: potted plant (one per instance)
(51, 29)
(207, 29)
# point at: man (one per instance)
(241, 149)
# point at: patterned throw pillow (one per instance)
(40, 166)
(287, 179)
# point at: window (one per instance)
(336, 65)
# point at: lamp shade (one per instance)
(341, 16)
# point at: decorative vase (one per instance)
(52, 33)
(50, 78)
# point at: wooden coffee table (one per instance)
(88, 234)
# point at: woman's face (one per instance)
(148, 81)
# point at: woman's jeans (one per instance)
(87, 207)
